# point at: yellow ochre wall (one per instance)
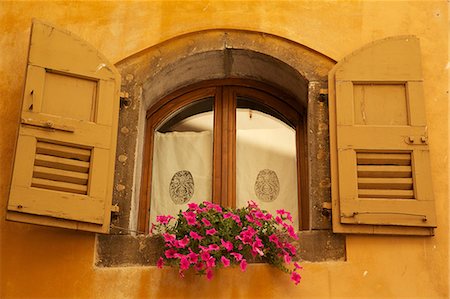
(40, 262)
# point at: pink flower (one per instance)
(287, 258)
(291, 248)
(278, 220)
(225, 261)
(193, 257)
(211, 262)
(295, 277)
(211, 231)
(268, 216)
(273, 238)
(199, 266)
(181, 243)
(227, 245)
(160, 263)
(243, 265)
(252, 205)
(170, 253)
(193, 206)
(284, 213)
(205, 255)
(291, 232)
(297, 266)
(237, 256)
(209, 274)
(232, 216)
(206, 222)
(213, 206)
(163, 219)
(184, 263)
(257, 246)
(190, 217)
(259, 215)
(213, 247)
(195, 236)
(168, 237)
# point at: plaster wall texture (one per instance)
(41, 262)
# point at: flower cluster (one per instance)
(208, 236)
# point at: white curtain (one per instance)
(182, 171)
(266, 170)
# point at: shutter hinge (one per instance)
(115, 208)
(326, 209)
(125, 100)
(323, 95)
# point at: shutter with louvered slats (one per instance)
(381, 179)
(64, 161)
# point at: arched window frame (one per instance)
(225, 93)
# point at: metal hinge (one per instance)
(125, 100)
(115, 208)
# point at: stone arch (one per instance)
(150, 74)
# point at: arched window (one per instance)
(225, 141)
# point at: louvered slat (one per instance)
(59, 186)
(385, 175)
(61, 168)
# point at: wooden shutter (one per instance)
(64, 161)
(381, 179)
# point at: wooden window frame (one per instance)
(225, 93)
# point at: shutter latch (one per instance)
(416, 140)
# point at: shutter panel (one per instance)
(64, 162)
(381, 179)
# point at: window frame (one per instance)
(225, 93)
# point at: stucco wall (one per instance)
(46, 262)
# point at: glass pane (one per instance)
(266, 164)
(182, 159)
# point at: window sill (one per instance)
(127, 250)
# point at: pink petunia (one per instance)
(213, 247)
(193, 206)
(160, 263)
(243, 265)
(291, 232)
(181, 243)
(184, 263)
(225, 261)
(227, 245)
(297, 266)
(168, 237)
(274, 239)
(211, 231)
(295, 277)
(191, 217)
(287, 258)
(252, 205)
(206, 222)
(205, 255)
(193, 257)
(209, 274)
(163, 219)
(237, 256)
(170, 253)
(211, 262)
(195, 236)
(199, 266)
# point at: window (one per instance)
(227, 141)
(78, 150)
